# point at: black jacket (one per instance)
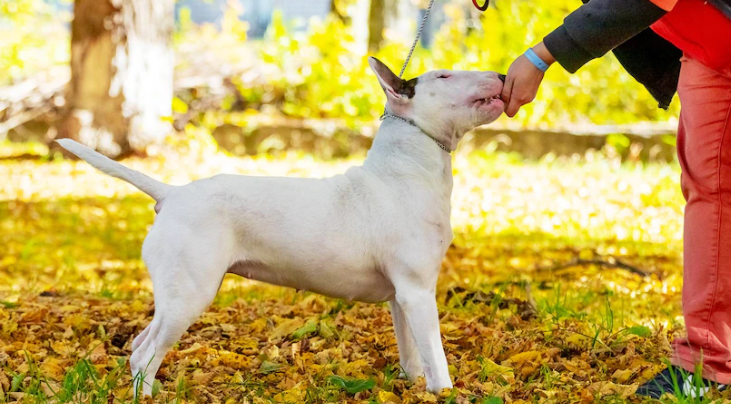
(622, 26)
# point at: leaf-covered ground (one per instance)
(542, 296)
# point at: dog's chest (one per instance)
(430, 212)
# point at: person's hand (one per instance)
(523, 80)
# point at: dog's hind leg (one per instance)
(407, 349)
(186, 272)
(176, 309)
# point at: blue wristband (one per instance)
(537, 62)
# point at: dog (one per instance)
(376, 233)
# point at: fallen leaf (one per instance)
(387, 397)
(309, 328)
(622, 375)
(600, 389)
(525, 356)
(285, 328)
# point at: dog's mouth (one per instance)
(488, 100)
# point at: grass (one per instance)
(74, 291)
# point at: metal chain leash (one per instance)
(413, 46)
(418, 36)
(421, 29)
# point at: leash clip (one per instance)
(481, 7)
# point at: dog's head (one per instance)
(443, 103)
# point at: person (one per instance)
(669, 45)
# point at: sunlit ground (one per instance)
(518, 324)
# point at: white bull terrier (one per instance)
(377, 233)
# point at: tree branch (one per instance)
(610, 262)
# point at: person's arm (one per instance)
(588, 33)
(597, 27)
(523, 79)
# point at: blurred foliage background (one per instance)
(317, 68)
(34, 39)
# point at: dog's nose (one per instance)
(501, 77)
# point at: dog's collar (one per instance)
(412, 123)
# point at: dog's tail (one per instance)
(156, 189)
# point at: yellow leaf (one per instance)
(386, 397)
(62, 348)
(285, 328)
(75, 320)
(34, 316)
(50, 388)
(258, 325)
(98, 354)
(202, 378)
(426, 397)
(4, 382)
(445, 392)
(577, 340)
(53, 368)
(525, 356)
(9, 326)
(453, 369)
(194, 348)
(355, 368)
(272, 352)
(237, 378)
(622, 375)
(491, 368)
(233, 360)
(549, 394)
(292, 395)
(247, 345)
(608, 388)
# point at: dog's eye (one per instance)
(443, 76)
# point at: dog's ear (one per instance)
(396, 89)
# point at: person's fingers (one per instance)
(507, 88)
(513, 106)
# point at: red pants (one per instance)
(704, 152)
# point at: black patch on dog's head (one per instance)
(408, 87)
(389, 79)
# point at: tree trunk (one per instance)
(336, 8)
(376, 25)
(121, 74)
(396, 16)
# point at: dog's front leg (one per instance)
(420, 309)
(407, 350)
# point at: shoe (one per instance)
(678, 382)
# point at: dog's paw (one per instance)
(444, 392)
(442, 389)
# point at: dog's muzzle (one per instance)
(501, 77)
